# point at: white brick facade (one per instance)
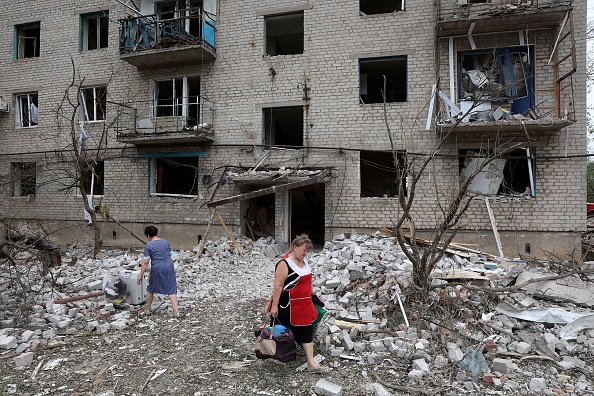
(240, 83)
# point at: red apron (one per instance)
(302, 310)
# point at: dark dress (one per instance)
(162, 278)
(302, 334)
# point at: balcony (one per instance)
(154, 41)
(462, 17)
(173, 122)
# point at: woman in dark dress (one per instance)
(162, 278)
(291, 299)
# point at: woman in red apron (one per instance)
(291, 298)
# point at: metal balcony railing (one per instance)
(157, 119)
(193, 26)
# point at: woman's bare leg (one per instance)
(173, 299)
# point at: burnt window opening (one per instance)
(512, 174)
(284, 34)
(372, 7)
(379, 176)
(283, 126)
(176, 176)
(92, 178)
(504, 75)
(371, 79)
(24, 178)
(28, 40)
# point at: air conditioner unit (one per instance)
(3, 106)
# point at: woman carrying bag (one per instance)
(292, 303)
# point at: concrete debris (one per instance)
(361, 278)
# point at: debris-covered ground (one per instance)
(59, 336)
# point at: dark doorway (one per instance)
(307, 213)
(259, 217)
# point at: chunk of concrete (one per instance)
(538, 384)
(454, 352)
(327, 388)
(503, 366)
(24, 359)
(7, 342)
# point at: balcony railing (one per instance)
(188, 37)
(166, 121)
(454, 17)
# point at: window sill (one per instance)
(163, 195)
(27, 127)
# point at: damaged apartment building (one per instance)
(274, 118)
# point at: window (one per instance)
(379, 176)
(284, 34)
(24, 178)
(505, 74)
(510, 175)
(178, 97)
(27, 110)
(94, 32)
(371, 79)
(27, 40)
(176, 176)
(93, 101)
(283, 126)
(93, 178)
(370, 7)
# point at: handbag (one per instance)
(280, 347)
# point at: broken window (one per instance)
(373, 72)
(27, 40)
(379, 176)
(510, 174)
(284, 34)
(283, 126)
(93, 103)
(93, 178)
(504, 75)
(27, 110)
(371, 7)
(94, 32)
(176, 176)
(24, 176)
(178, 97)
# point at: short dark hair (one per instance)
(151, 231)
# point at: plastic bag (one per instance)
(474, 361)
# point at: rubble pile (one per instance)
(525, 336)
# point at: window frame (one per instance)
(99, 103)
(93, 182)
(20, 34)
(394, 88)
(268, 19)
(101, 31)
(17, 170)
(25, 118)
(382, 168)
(401, 8)
(181, 105)
(269, 118)
(156, 175)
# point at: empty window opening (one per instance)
(373, 72)
(379, 176)
(27, 40)
(178, 97)
(510, 175)
(95, 31)
(93, 178)
(371, 7)
(283, 126)
(24, 178)
(504, 75)
(176, 176)
(27, 110)
(93, 103)
(307, 213)
(284, 34)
